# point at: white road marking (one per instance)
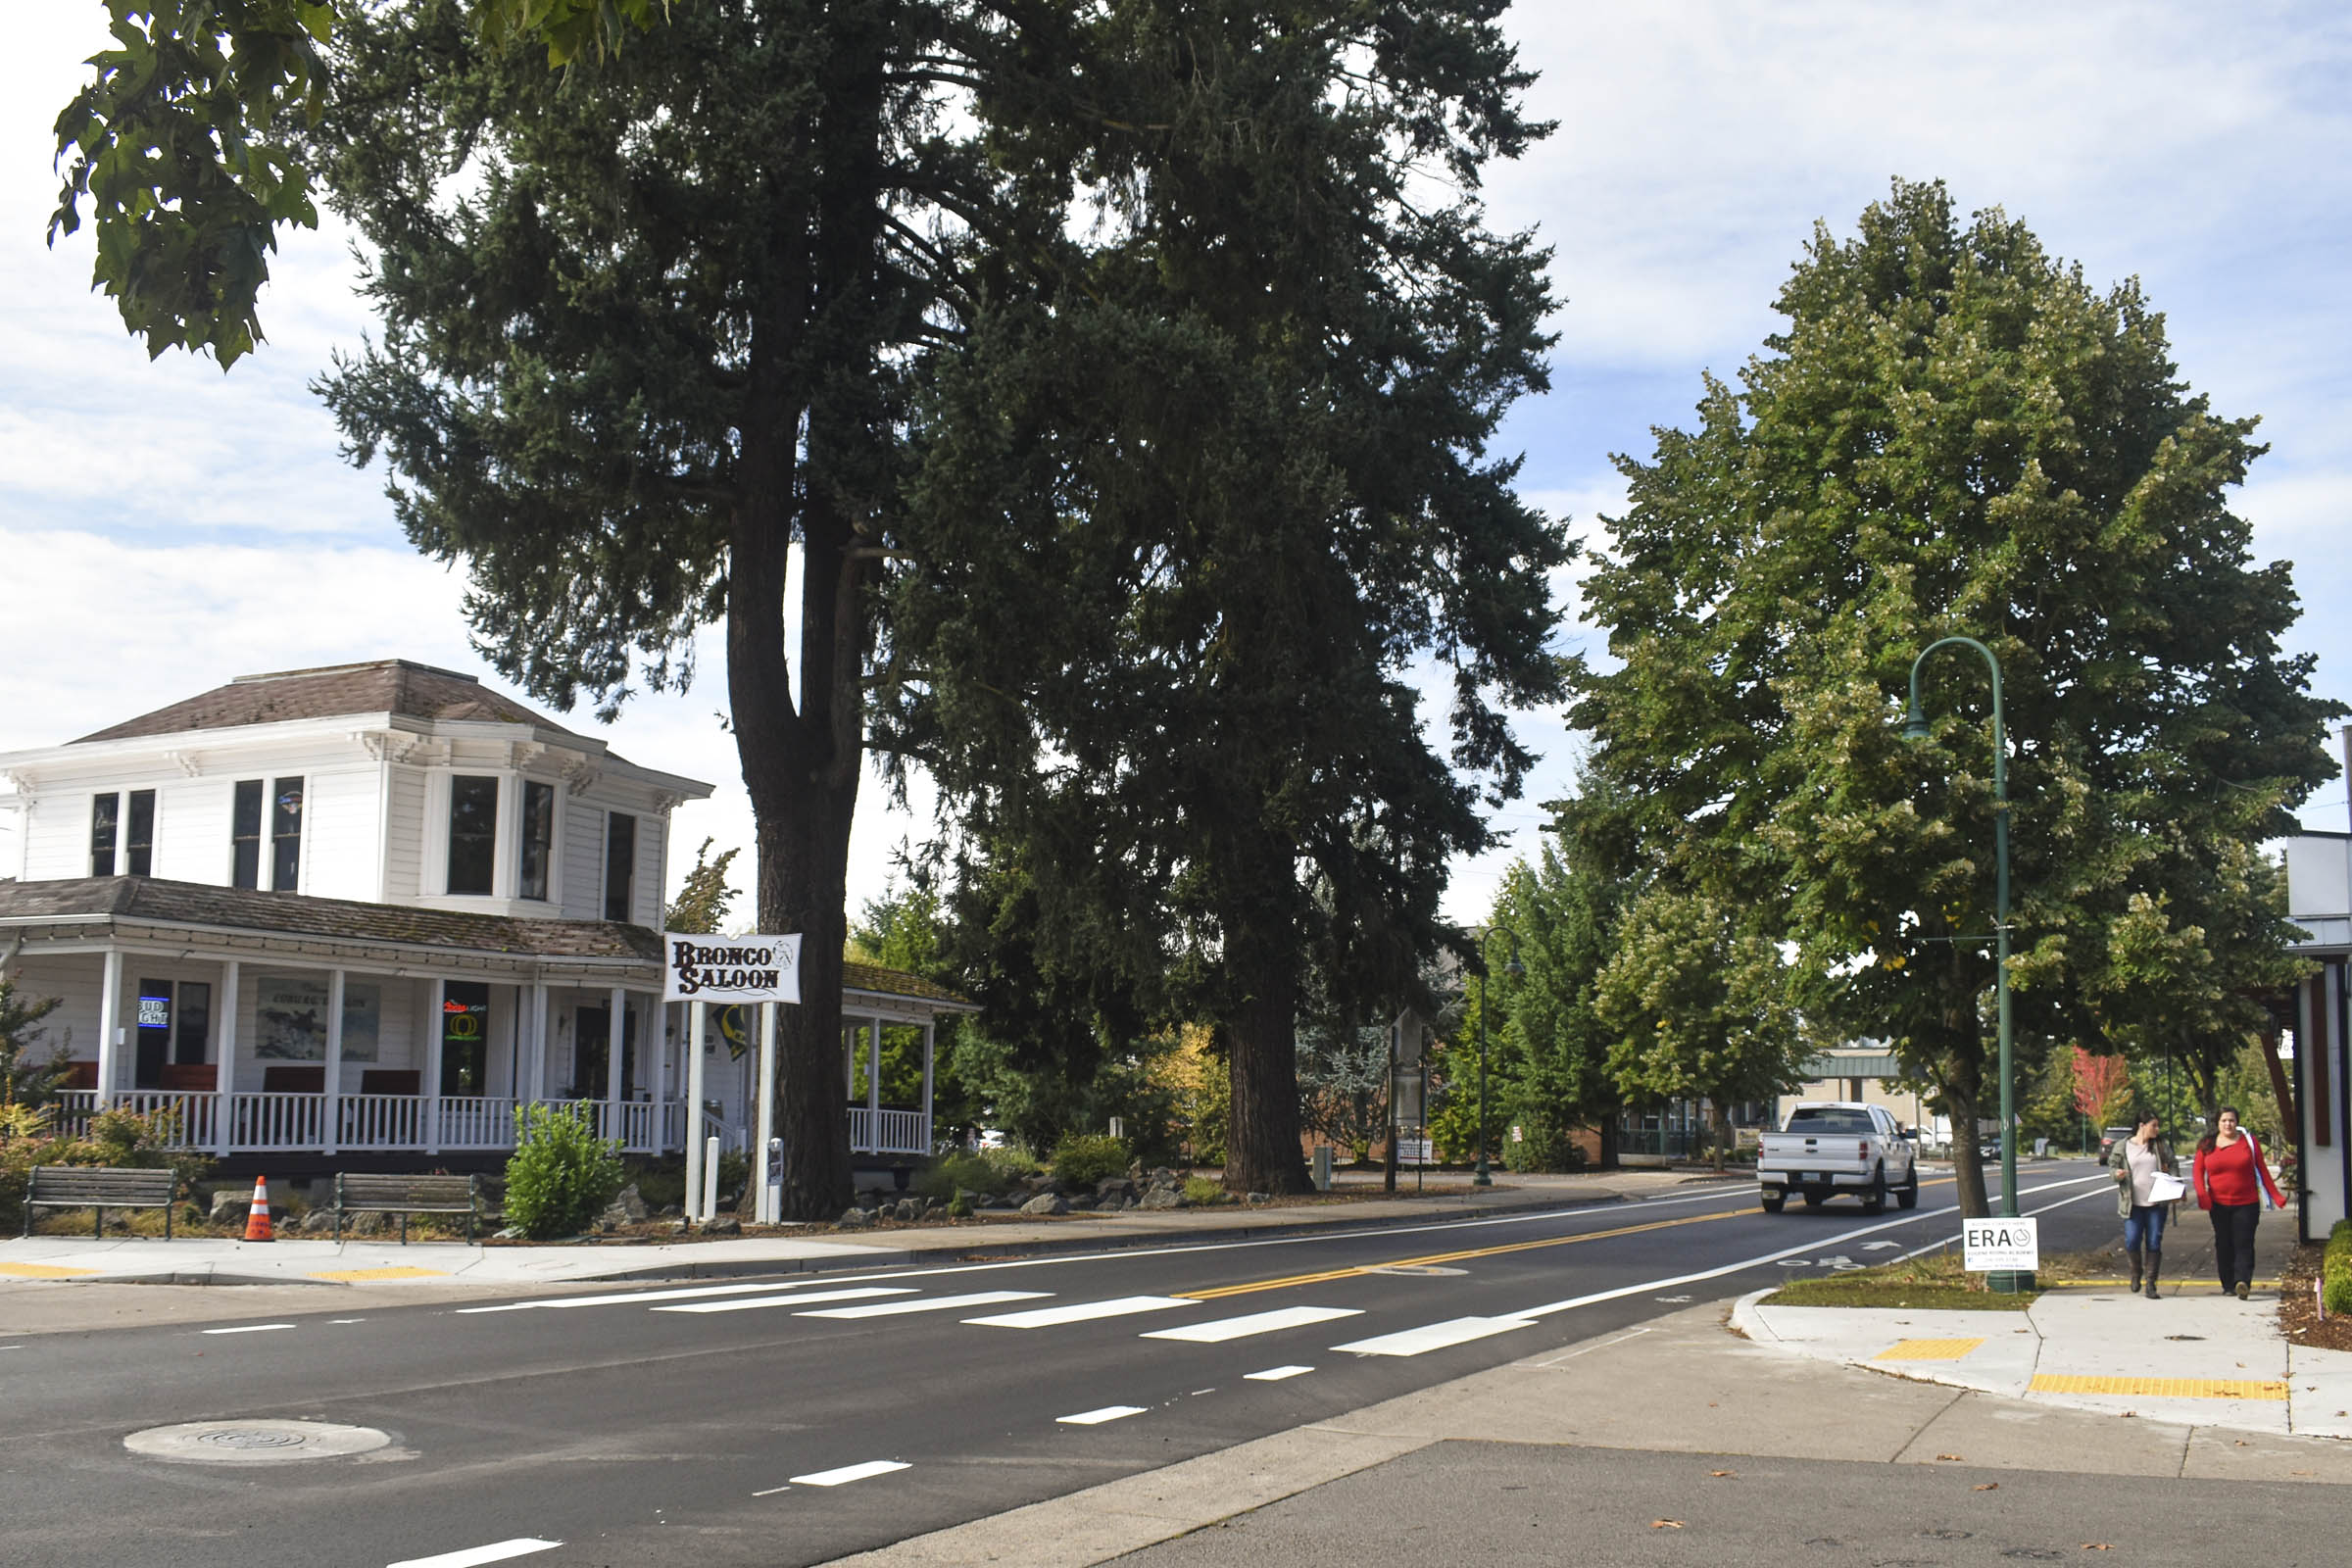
(771, 1491)
(848, 1473)
(247, 1328)
(1275, 1374)
(1879, 1246)
(473, 1556)
(624, 1298)
(1240, 1327)
(933, 1304)
(1575, 1302)
(1095, 1418)
(1039, 1317)
(859, 1293)
(1588, 1349)
(1435, 1336)
(347, 1320)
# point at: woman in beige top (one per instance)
(2137, 1161)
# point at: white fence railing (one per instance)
(260, 1122)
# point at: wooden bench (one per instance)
(99, 1188)
(366, 1193)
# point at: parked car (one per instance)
(2109, 1136)
(1838, 1149)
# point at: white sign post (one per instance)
(2000, 1245)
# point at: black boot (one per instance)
(2134, 1254)
(2155, 1267)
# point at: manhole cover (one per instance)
(1415, 1269)
(254, 1441)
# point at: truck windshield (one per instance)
(1830, 1121)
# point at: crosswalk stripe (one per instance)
(1240, 1327)
(1435, 1336)
(625, 1298)
(850, 1472)
(860, 1294)
(1039, 1317)
(1276, 1374)
(935, 1303)
(1095, 1418)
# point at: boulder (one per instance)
(853, 1218)
(368, 1222)
(728, 1226)
(631, 1203)
(909, 1211)
(1047, 1203)
(672, 1211)
(1083, 1201)
(1163, 1197)
(231, 1205)
(1255, 1199)
(318, 1221)
(1119, 1187)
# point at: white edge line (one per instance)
(1813, 1245)
(472, 1557)
(247, 1328)
(772, 1490)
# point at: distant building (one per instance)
(367, 911)
(1867, 1073)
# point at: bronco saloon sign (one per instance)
(698, 967)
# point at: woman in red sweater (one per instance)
(2232, 1184)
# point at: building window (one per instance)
(138, 839)
(105, 816)
(285, 835)
(538, 837)
(465, 1038)
(620, 865)
(473, 833)
(245, 836)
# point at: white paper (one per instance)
(2164, 1189)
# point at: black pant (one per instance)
(2233, 1242)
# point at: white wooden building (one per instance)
(357, 915)
(2319, 899)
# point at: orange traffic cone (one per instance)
(256, 1218)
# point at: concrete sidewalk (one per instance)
(426, 1271)
(1680, 1384)
(2193, 1355)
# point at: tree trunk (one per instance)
(2267, 1039)
(1720, 1115)
(1261, 1147)
(1610, 1138)
(1960, 1103)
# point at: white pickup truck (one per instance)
(1838, 1149)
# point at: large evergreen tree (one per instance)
(1216, 497)
(1954, 433)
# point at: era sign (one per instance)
(1990, 1245)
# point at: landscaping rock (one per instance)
(231, 1205)
(1083, 1201)
(317, 1222)
(672, 1212)
(631, 1203)
(729, 1226)
(371, 1222)
(1047, 1203)
(853, 1218)
(1121, 1187)
(1255, 1199)
(909, 1211)
(1164, 1197)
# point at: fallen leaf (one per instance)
(1665, 1524)
(1948, 1456)
(2242, 1442)
(1719, 1473)
(2096, 1546)
(1986, 1486)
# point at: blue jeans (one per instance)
(2145, 1227)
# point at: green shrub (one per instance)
(562, 1174)
(1200, 1190)
(952, 1173)
(114, 1137)
(1010, 1165)
(2335, 1270)
(1082, 1160)
(1543, 1144)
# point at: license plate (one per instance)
(1811, 1176)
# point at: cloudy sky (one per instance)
(164, 528)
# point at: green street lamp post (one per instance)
(1514, 968)
(1915, 727)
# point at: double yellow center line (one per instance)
(1217, 1292)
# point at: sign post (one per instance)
(770, 1202)
(763, 971)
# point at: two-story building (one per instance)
(357, 916)
(2319, 899)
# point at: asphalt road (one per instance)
(821, 1416)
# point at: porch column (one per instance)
(538, 1075)
(874, 1086)
(333, 1107)
(694, 1109)
(110, 1025)
(617, 1084)
(435, 1028)
(224, 1075)
(930, 1031)
(767, 1116)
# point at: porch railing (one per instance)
(888, 1132)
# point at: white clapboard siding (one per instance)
(652, 829)
(342, 817)
(583, 850)
(404, 833)
(192, 826)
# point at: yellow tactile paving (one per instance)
(43, 1271)
(348, 1275)
(2160, 1388)
(1926, 1350)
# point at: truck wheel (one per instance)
(1774, 1202)
(1874, 1202)
(1907, 1194)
